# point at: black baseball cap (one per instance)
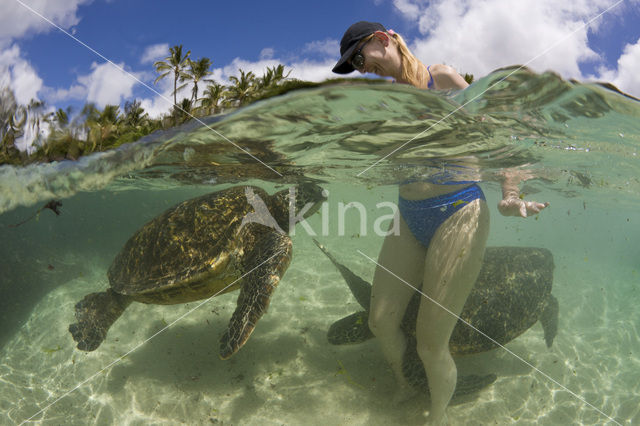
(350, 39)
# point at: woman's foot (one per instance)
(404, 393)
(437, 420)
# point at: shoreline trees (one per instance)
(69, 137)
(94, 129)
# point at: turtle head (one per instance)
(309, 196)
(299, 202)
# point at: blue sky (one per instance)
(39, 61)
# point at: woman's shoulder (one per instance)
(446, 77)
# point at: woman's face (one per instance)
(381, 56)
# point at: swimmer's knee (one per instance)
(383, 324)
(430, 352)
(374, 324)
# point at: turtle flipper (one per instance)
(413, 370)
(351, 329)
(95, 314)
(360, 288)
(467, 385)
(549, 320)
(268, 264)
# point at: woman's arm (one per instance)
(512, 204)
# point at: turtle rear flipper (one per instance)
(268, 263)
(413, 370)
(95, 314)
(467, 385)
(351, 329)
(549, 320)
(360, 288)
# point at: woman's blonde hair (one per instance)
(413, 71)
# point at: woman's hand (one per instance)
(512, 204)
(515, 206)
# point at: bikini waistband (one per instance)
(467, 194)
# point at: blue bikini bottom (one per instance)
(424, 217)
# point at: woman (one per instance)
(443, 228)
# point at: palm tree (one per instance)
(266, 80)
(213, 95)
(272, 77)
(35, 118)
(134, 115)
(182, 112)
(60, 118)
(243, 87)
(278, 74)
(8, 110)
(62, 140)
(197, 71)
(174, 64)
(102, 126)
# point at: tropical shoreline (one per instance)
(62, 135)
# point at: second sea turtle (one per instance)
(512, 293)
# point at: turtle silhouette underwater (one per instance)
(512, 293)
(231, 239)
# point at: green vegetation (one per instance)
(62, 135)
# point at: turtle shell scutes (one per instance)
(186, 253)
(519, 281)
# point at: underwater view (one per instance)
(65, 228)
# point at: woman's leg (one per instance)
(452, 264)
(403, 255)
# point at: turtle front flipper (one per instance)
(351, 329)
(268, 262)
(549, 320)
(95, 314)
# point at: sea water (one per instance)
(159, 364)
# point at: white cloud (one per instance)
(161, 102)
(304, 69)
(328, 47)
(19, 75)
(221, 75)
(154, 53)
(313, 71)
(106, 84)
(408, 8)
(626, 76)
(267, 53)
(76, 92)
(480, 36)
(17, 21)
(156, 107)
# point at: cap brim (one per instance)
(343, 66)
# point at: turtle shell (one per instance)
(190, 252)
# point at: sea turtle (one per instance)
(511, 293)
(202, 247)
